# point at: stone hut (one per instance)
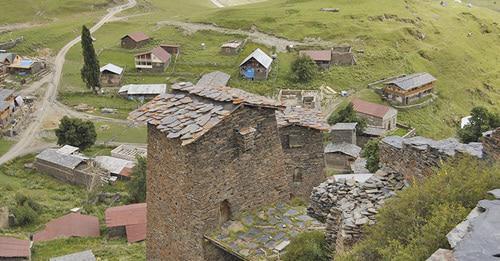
(301, 133)
(343, 56)
(213, 153)
(111, 75)
(376, 115)
(134, 40)
(322, 58)
(232, 48)
(343, 132)
(340, 156)
(256, 66)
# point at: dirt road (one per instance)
(53, 80)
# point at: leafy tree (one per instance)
(308, 246)
(348, 114)
(481, 120)
(90, 72)
(304, 69)
(76, 132)
(137, 185)
(371, 153)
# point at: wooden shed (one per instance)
(134, 40)
(256, 66)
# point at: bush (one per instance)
(137, 185)
(304, 69)
(348, 114)
(371, 153)
(26, 210)
(414, 225)
(481, 120)
(76, 132)
(308, 246)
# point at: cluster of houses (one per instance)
(12, 63)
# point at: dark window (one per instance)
(294, 141)
(297, 176)
(224, 212)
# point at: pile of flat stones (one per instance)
(346, 205)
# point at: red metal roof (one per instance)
(163, 55)
(137, 36)
(13, 247)
(322, 55)
(133, 217)
(71, 225)
(370, 108)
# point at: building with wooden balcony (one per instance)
(405, 90)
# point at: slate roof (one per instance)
(5, 93)
(114, 165)
(412, 81)
(70, 225)
(133, 217)
(143, 89)
(321, 55)
(344, 126)
(261, 57)
(80, 256)
(137, 36)
(309, 118)
(370, 108)
(193, 110)
(12, 247)
(52, 156)
(112, 68)
(214, 79)
(344, 147)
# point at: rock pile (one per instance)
(346, 205)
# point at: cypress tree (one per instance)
(90, 71)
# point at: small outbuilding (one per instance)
(80, 256)
(7, 59)
(129, 220)
(214, 79)
(409, 88)
(142, 91)
(14, 249)
(117, 167)
(26, 66)
(70, 225)
(376, 115)
(129, 152)
(343, 132)
(172, 49)
(340, 156)
(232, 47)
(322, 58)
(111, 75)
(156, 60)
(343, 56)
(256, 66)
(134, 40)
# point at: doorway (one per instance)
(224, 212)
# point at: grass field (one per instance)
(5, 145)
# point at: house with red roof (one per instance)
(129, 220)
(134, 40)
(322, 58)
(156, 60)
(14, 249)
(70, 225)
(377, 116)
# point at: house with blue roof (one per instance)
(26, 66)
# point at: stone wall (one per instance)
(339, 136)
(491, 146)
(4, 217)
(192, 189)
(417, 157)
(78, 176)
(304, 159)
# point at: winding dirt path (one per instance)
(53, 80)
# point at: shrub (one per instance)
(137, 185)
(371, 153)
(25, 215)
(414, 224)
(481, 120)
(348, 114)
(308, 246)
(76, 132)
(303, 69)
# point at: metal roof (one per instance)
(318, 55)
(80, 256)
(112, 68)
(261, 57)
(370, 108)
(133, 217)
(343, 147)
(129, 152)
(12, 247)
(412, 81)
(344, 126)
(214, 79)
(5, 93)
(4, 105)
(68, 161)
(137, 36)
(67, 150)
(140, 89)
(70, 225)
(7, 56)
(113, 165)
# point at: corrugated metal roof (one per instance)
(67, 150)
(261, 57)
(113, 165)
(412, 81)
(129, 152)
(5, 93)
(344, 147)
(215, 79)
(70, 225)
(112, 68)
(162, 54)
(144, 89)
(377, 110)
(68, 161)
(136, 232)
(133, 217)
(137, 36)
(12, 247)
(318, 55)
(80, 256)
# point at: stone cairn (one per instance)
(346, 205)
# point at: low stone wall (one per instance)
(492, 146)
(417, 157)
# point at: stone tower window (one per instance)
(246, 138)
(224, 212)
(297, 176)
(294, 141)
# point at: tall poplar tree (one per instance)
(90, 71)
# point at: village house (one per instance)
(128, 220)
(70, 225)
(376, 115)
(408, 89)
(309, 99)
(172, 49)
(129, 152)
(111, 75)
(301, 133)
(256, 66)
(142, 91)
(340, 156)
(26, 66)
(213, 153)
(343, 132)
(322, 58)
(14, 249)
(134, 40)
(117, 167)
(156, 60)
(232, 47)
(79, 256)
(214, 79)
(7, 59)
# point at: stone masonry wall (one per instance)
(492, 146)
(306, 160)
(417, 157)
(188, 185)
